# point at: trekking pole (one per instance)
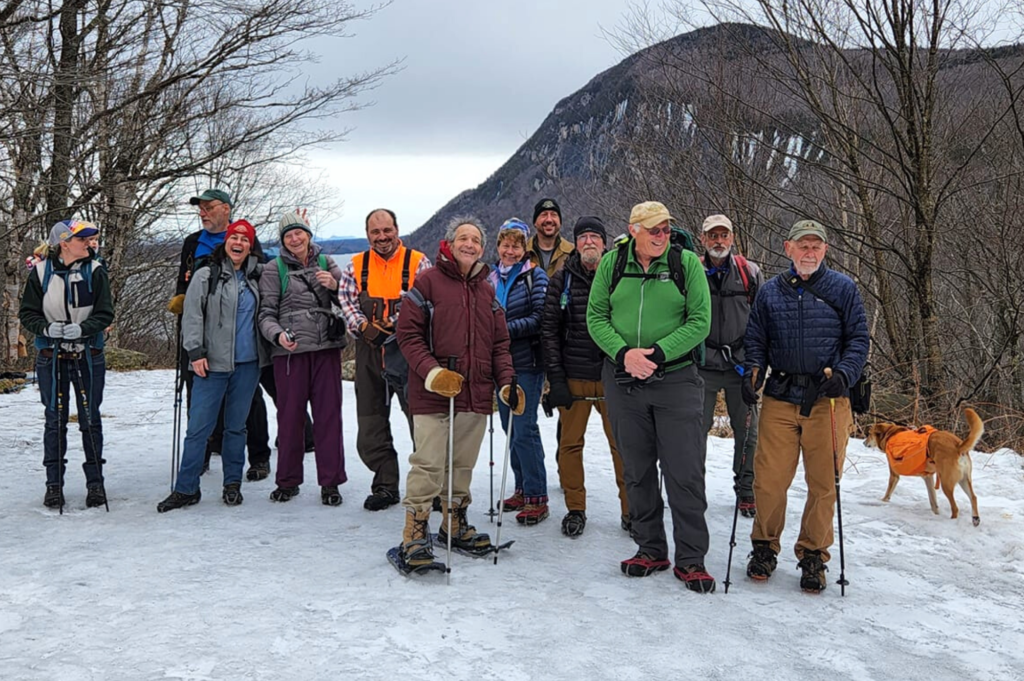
(452, 363)
(842, 582)
(513, 387)
(95, 458)
(61, 437)
(179, 384)
(491, 512)
(751, 410)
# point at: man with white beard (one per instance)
(573, 364)
(733, 282)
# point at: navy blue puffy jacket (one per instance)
(794, 332)
(524, 308)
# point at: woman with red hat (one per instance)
(225, 351)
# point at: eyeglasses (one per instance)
(589, 236)
(210, 206)
(658, 231)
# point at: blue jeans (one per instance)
(235, 390)
(527, 448)
(87, 374)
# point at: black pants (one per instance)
(374, 442)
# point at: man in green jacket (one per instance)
(649, 317)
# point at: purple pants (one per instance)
(314, 378)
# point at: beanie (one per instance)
(243, 227)
(592, 224)
(290, 221)
(546, 204)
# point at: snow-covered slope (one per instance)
(302, 591)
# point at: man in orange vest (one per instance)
(370, 289)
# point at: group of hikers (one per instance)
(643, 330)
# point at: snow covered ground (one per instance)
(303, 591)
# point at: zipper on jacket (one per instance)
(800, 326)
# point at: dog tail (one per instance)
(977, 430)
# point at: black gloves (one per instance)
(559, 395)
(749, 392)
(833, 387)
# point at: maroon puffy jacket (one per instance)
(467, 324)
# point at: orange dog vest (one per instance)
(908, 450)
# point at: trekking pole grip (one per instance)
(513, 395)
(452, 362)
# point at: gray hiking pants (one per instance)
(662, 423)
(743, 456)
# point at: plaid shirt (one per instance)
(348, 295)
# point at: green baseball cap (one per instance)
(211, 195)
(803, 228)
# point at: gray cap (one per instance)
(803, 228)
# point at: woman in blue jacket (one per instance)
(218, 331)
(520, 288)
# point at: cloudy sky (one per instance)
(478, 79)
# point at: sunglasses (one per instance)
(658, 231)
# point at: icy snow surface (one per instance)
(302, 591)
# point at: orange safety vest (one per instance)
(381, 282)
(908, 450)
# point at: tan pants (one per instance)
(783, 433)
(570, 445)
(428, 465)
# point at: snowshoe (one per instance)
(258, 471)
(95, 496)
(813, 578)
(380, 500)
(232, 494)
(178, 500)
(465, 538)
(284, 494)
(696, 578)
(398, 562)
(763, 561)
(330, 496)
(54, 497)
(643, 564)
(574, 523)
(748, 509)
(441, 541)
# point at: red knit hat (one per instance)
(244, 228)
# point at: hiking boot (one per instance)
(178, 500)
(748, 509)
(54, 497)
(380, 500)
(95, 496)
(643, 564)
(283, 494)
(515, 502)
(258, 471)
(416, 548)
(696, 578)
(330, 496)
(574, 523)
(535, 510)
(762, 561)
(464, 535)
(813, 578)
(232, 494)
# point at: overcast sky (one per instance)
(478, 79)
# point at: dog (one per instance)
(945, 455)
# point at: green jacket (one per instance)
(650, 313)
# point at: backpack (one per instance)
(282, 270)
(335, 325)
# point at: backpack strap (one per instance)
(364, 275)
(675, 267)
(282, 273)
(563, 302)
(744, 269)
(322, 259)
(414, 296)
(405, 269)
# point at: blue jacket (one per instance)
(798, 335)
(524, 307)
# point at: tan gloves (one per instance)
(444, 382)
(177, 304)
(518, 403)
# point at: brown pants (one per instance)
(428, 465)
(782, 434)
(570, 444)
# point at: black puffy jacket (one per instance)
(569, 352)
